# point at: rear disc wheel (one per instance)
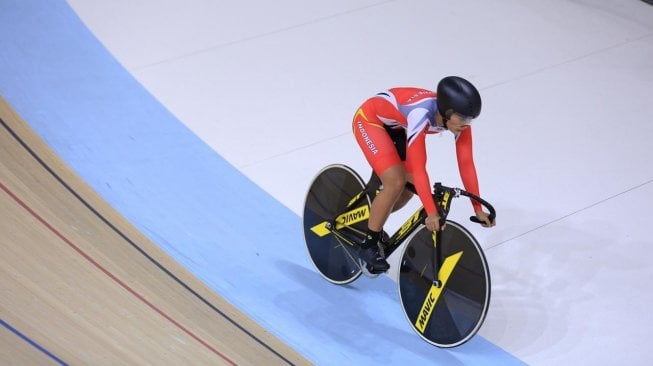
(329, 200)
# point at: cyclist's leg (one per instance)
(380, 152)
(394, 180)
(398, 137)
(374, 183)
(404, 197)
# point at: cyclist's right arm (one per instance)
(416, 164)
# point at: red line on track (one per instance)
(112, 276)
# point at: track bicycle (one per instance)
(443, 279)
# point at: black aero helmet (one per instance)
(458, 95)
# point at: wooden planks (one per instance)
(82, 283)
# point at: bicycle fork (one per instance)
(442, 198)
(437, 258)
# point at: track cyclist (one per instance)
(391, 128)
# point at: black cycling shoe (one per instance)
(374, 261)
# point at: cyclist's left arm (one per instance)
(466, 167)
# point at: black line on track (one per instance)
(136, 246)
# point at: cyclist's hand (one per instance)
(432, 222)
(483, 216)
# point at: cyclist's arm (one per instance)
(416, 165)
(466, 164)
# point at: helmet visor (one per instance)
(462, 119)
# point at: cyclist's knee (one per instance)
(397, 185)
(394, 179)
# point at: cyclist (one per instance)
(391, 128)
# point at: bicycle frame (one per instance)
(442, 196)
(341, 221)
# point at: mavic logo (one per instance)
(427, 309)
(353, 216)
(348, 218)
(433, 295)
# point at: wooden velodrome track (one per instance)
(80, 285)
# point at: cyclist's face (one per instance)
(458, 123)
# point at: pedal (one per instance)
(365, 271)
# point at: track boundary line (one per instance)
(136, 246)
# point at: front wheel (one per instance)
(452, 314)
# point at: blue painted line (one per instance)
(32, 343)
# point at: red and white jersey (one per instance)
(415, 109)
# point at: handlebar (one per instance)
(484, 203)
(438, 193)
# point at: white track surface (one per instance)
(562, 147)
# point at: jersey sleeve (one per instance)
(464, 153)
(416, 165)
